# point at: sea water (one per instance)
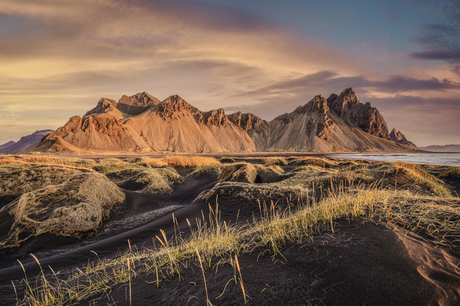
(442, 159)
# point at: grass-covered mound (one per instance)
(207, 170)
(157, 180)
(451, 172)
(249, 173)
(17, 182)
(69, 209)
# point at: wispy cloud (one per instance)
(328, 79)
(440, 37)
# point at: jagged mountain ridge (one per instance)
(141, 123)
(25, 142)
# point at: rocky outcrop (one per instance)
(25, 143)
(137, 104)
(103, 106)
(215, 117)
(248, 122)
(399, 137)
(141, 123)
(363, 116)
(255, 127)
(174, 105)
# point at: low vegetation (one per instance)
(451, 172)
(193, 161)
(276, 161)
(69, 209)
(290, 207)
(214, 241)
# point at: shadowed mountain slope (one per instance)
(141, 123)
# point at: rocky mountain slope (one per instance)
(399, 137)
(25, 142)
(141, 123)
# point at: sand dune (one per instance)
(401, 249)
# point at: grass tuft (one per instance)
(451, 172)
(193, 161)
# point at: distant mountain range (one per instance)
(25, 142)
(142, 124)
(446, 148)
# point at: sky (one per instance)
(59, 57)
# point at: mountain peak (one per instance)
(341, 103)
(398, 137)
(318, 103)
(174, 104)
(103, 106)
(137, 104)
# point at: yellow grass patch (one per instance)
(68, 209)
(451, 172)
(192, 161)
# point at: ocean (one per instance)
(442, 159)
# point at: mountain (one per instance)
(25, 142)
(6, 145)
(446, 148)
(137, 104)
(398, 136)
(337, 124)
(141, 123)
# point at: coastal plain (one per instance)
(292, 229)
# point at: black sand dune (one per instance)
(359, 265)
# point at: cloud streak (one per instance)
(440, 39)
(393, 84)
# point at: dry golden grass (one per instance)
(213, 169)
(69, 209)
(148, 161)
(193, 161)
(279, 161)
(422, 178)
(451, 172)
(315, 161)
(158, 180)
(215, 241)
(17, 182)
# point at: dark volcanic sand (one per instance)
(359, 265)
